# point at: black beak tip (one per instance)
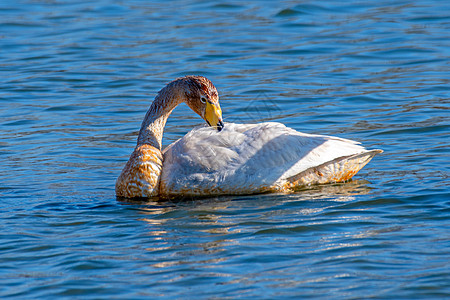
(220, 125)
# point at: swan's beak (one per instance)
(213, 115)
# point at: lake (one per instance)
(78, 76)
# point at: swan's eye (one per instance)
(203, 99)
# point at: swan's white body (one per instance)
(249, 158)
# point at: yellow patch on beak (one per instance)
(213, 115)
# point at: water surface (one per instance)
(78, 77)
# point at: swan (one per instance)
(229, 158)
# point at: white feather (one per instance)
(245, 157)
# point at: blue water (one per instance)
(78, 76)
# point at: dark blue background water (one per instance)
(78, 76)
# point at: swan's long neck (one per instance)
(152, 127)
(141, 175)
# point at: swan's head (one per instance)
(202, 97)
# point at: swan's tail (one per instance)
(338, 170)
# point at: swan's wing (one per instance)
(245, 158)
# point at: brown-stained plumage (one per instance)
(140, 176)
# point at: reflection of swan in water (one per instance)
(240, 159)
